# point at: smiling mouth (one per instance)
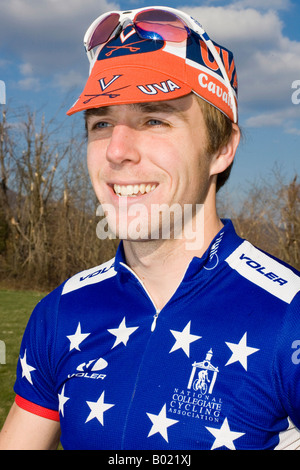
(134, 190)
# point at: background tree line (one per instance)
(48, 208)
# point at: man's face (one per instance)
(144, 155)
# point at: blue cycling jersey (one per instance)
(217, 368)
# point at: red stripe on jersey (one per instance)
(36, 409)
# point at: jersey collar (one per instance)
(224, 243)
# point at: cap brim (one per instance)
(133, 82)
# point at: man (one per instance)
(111, 358)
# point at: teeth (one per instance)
(133, 190)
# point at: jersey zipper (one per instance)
(153, 326)
(157, 311)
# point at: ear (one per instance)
(225, 155)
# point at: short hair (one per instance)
(219, 129)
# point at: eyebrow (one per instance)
(146, 108)
(154, 107)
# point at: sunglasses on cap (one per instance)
(153, 23)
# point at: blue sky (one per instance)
(43, 64)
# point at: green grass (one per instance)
(15, 309)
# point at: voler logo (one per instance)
(263, 270)
(102, 270)
(88, 370)
(197, 400)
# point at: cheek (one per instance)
(198, 174)
(94, 160)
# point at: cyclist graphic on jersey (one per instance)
(200, 383)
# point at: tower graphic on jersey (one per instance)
(206, 377)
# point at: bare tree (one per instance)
(29, 160)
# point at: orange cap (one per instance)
(128, 69)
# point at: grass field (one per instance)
(15, 309)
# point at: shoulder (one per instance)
(53, 310)
(268, 273)
(50, 304)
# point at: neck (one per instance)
(161, 264)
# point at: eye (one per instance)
(101, 125)
(155, 122)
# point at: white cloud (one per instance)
(263, 4)
(275, 118)
(285, 119)
(293, 131)
(26, 69)
(48, 33)
(239, 28)
(29, 83)
(257, 4)
(69, 80)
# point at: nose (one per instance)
(122, 147)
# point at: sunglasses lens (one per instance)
(103, 30)
(160, 24)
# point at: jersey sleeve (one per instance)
(287, 362)
(35, 382)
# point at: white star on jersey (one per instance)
(161, 423)
(240, 352)
(26, 368)
(224, 436)
(183, 339)
(122, 333)
(98, 408)
(77, 338)
(62, 400)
